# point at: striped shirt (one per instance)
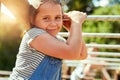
(27, 58)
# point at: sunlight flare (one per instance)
(6, 11)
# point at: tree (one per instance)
(81, 5)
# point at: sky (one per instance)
(102, 3)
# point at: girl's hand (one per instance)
(73, 17)
(77, 16)
(66, 22)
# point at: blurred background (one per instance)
(11, 27)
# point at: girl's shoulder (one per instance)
(35, 31)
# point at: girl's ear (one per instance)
(32, 14)
(31, 19)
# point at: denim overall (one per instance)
(48, 69)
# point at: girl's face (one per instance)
(49, 17)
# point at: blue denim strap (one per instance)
(48, 69)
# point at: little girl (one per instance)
(41, 50)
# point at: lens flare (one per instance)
(6, 11)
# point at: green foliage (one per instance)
(104, 26)
(109, 10)
(80, 5)
(9, 44)
(8, 50)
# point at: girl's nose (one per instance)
(53, 22)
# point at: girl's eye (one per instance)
(58, 18)
(45, 18)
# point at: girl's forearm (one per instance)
(83, 53)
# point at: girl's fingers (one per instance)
(77, 16)
(66, 17)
